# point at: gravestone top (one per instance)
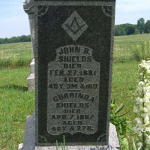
(28, 3)
(73, 57)
(76, 0)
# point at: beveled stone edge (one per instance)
(72, 3)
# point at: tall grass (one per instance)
(62, 144)
(16, 103)
(129, 48)
(14, 63)
(15, 55)
(8, 126)
(142, 51)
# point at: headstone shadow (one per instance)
(15, 87)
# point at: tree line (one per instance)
(128, 29)
(123, 29)
(14, 39)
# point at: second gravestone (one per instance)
(73, 71)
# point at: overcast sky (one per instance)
(14, 21)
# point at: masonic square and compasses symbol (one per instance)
(74, 26)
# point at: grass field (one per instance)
(124, 82)
(16, 102)
(125, 46)
(15, 55)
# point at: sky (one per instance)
(14, 21)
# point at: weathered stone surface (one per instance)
(29, 139)
(20, 146)
(29, 8)
(31, 77)
(31, 82)
(74, 45)
(29, 136)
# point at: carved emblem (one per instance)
(107, 10)
(42, 139)
(102, 138)
(42, 10)
(74, 26)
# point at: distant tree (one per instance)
(119, 30)
(14, 39)
(125, 29)
(130, 29)
(147, 27)
(6, 40)
(136, 31)
(23, 38)
(28, 38)
(18, 38)
(140, 25)
(2, 41)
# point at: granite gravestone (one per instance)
(73, 71)
(29, 8)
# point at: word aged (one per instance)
(74, 82)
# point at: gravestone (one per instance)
(73, 73)
(29, 8)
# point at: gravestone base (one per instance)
(31, 77)
(31, 82)
(29, 139)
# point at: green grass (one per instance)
(15, 55)
(16, 102)
(125, 46)
(124, 83)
